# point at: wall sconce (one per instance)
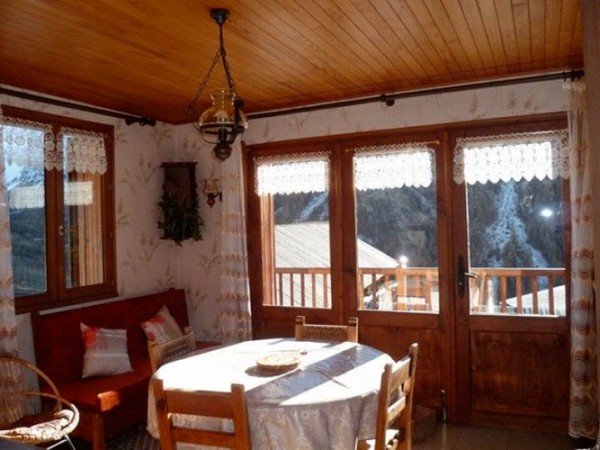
(212, 191)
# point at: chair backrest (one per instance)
(232, 406)
(171, 350)
(395, 401)
(334, 333)
(19, 392)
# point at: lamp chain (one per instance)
(224, 58)
(221, 54)
(191, 108)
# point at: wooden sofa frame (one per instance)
(108, 405)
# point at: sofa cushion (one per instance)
(101, 394)
(119, 400)
(58, 346)
(162, 327)
(105, 351)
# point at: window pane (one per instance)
(302, 255)
(83, 230)
(397, 231)
(516, 239)
(61, 218)
(294, 189)
(24, 177)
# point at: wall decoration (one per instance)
(179, 203)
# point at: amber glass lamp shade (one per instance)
(222, 122)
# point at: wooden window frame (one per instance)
(57, 295)
(268, 320)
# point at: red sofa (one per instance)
(107, 404)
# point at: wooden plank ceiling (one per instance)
(147, 57)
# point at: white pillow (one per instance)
(162, 327)
(105, 351)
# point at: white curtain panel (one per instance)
(583, 402)
(10, 378)
(8, 321)
(235, 316)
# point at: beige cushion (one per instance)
(162, 327)
(105, 351)
(51, 428)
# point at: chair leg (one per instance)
(70, 443)
(65, 440)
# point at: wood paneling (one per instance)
(148, 58)
(510, 373)
(499, 370)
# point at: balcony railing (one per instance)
(492, 290)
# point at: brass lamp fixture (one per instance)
(212, 191)
(222, 122)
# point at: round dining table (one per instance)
(327, 401)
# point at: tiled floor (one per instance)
(457, 437)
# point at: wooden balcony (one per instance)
(492, 290)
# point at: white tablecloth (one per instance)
(328, 402)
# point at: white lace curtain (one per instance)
(376, 167)
(522, 156)
(79, 151)
(32, 144)
(292, 174)
(393, 166)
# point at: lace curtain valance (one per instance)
(32, 144)
(292, 174)
(393, 166)
(80, 151)
(24, 142)
(515, 157)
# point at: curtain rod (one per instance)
(129, 120)
(389, 99)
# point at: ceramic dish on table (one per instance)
(278, 362)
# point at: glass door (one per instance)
(511, 272)
(396, 222)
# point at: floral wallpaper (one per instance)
(468, 105)
(146, 263)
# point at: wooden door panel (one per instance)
(514, 373)
(395, 341)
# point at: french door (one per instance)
(511, 214)
(425, 240)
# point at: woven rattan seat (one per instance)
(51, 425)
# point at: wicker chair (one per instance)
(57, 417)
(334, 333)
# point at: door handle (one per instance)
(462, 275)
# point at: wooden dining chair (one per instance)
(200, 404)
(394, 405)
(164, 352)
(318, 332)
